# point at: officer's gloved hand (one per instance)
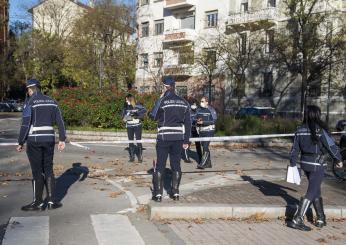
(61, 146)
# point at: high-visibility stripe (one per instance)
(40, 105)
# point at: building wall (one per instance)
(229, 11)
(56, 16)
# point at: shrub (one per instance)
(98, 108)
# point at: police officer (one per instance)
(206, 118)
(132, 115)
(174, 126)
(194, 134)
(311, 142)
(39, 115)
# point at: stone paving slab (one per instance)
(274, 232)
(267, 192)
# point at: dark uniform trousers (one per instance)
(315, 179)
(41, 155)
(205, 144)
(132, 132)
(171, 148)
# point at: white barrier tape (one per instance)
(79, 145)
(8, 144)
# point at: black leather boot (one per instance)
(298, 219)
(176, 177)
(186, 155)
(320, 216)
(139, 154)
(132, 150)
(204, 162)
(50, 186)
(157, 186)
(37, 204)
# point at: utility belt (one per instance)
(133, 121)
(206, 128)
(38, 129)
(171, 130)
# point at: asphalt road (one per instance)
(101, 193)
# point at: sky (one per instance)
(18, 9)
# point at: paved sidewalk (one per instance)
(274, 232)
(267, 192)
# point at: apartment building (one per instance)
(173, 35)
(4, 18)
(57, 16)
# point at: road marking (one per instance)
(113, 229)
(129, 194)
(27, 230)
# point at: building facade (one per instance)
(178, 38)
(57, 16)
(4, 19)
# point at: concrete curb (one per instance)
(234, 211)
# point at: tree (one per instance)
(100, 51)
(304, 45)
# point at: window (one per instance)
(271, 3)
(144, 2)
(188, 22)
(244, 6)
(243, 43)
(186, 56)
(159, 27)
(158, 59)
(206, 90)
(181, 91)
(267, 88)
(144, 61)
(269, 41)
(210, 57)
(212, 19)
(145, 29)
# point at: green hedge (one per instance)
(98, 108)
(87, 108)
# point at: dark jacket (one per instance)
(310, 153)
(133, 115)
(173, 116)
(40, 114)
(208, 116)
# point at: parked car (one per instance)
(262, 112)
(16, 107)
(4, 107)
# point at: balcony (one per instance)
(181, 36)
(252, 20)
(175, 4)
(177, 70)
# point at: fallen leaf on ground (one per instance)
(115, 194)
(321, 240)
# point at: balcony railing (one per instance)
(173, 4)
(177, 70)
(181, 35)
(253, 16)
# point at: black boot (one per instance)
(298, 219)
(157, 186)
(132, 150)
(204, 162)
(320, 216)
(186, 156)
(176, 177)
(37, 204)
(139, 154)
(208, 165)
(50, 186)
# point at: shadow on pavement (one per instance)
(68, 178)
(271, 189)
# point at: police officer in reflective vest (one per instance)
(311, 142)
(39, 115)
(206, 118)
(174, 127)
(132, 115)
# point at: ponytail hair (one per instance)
(312, 118)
